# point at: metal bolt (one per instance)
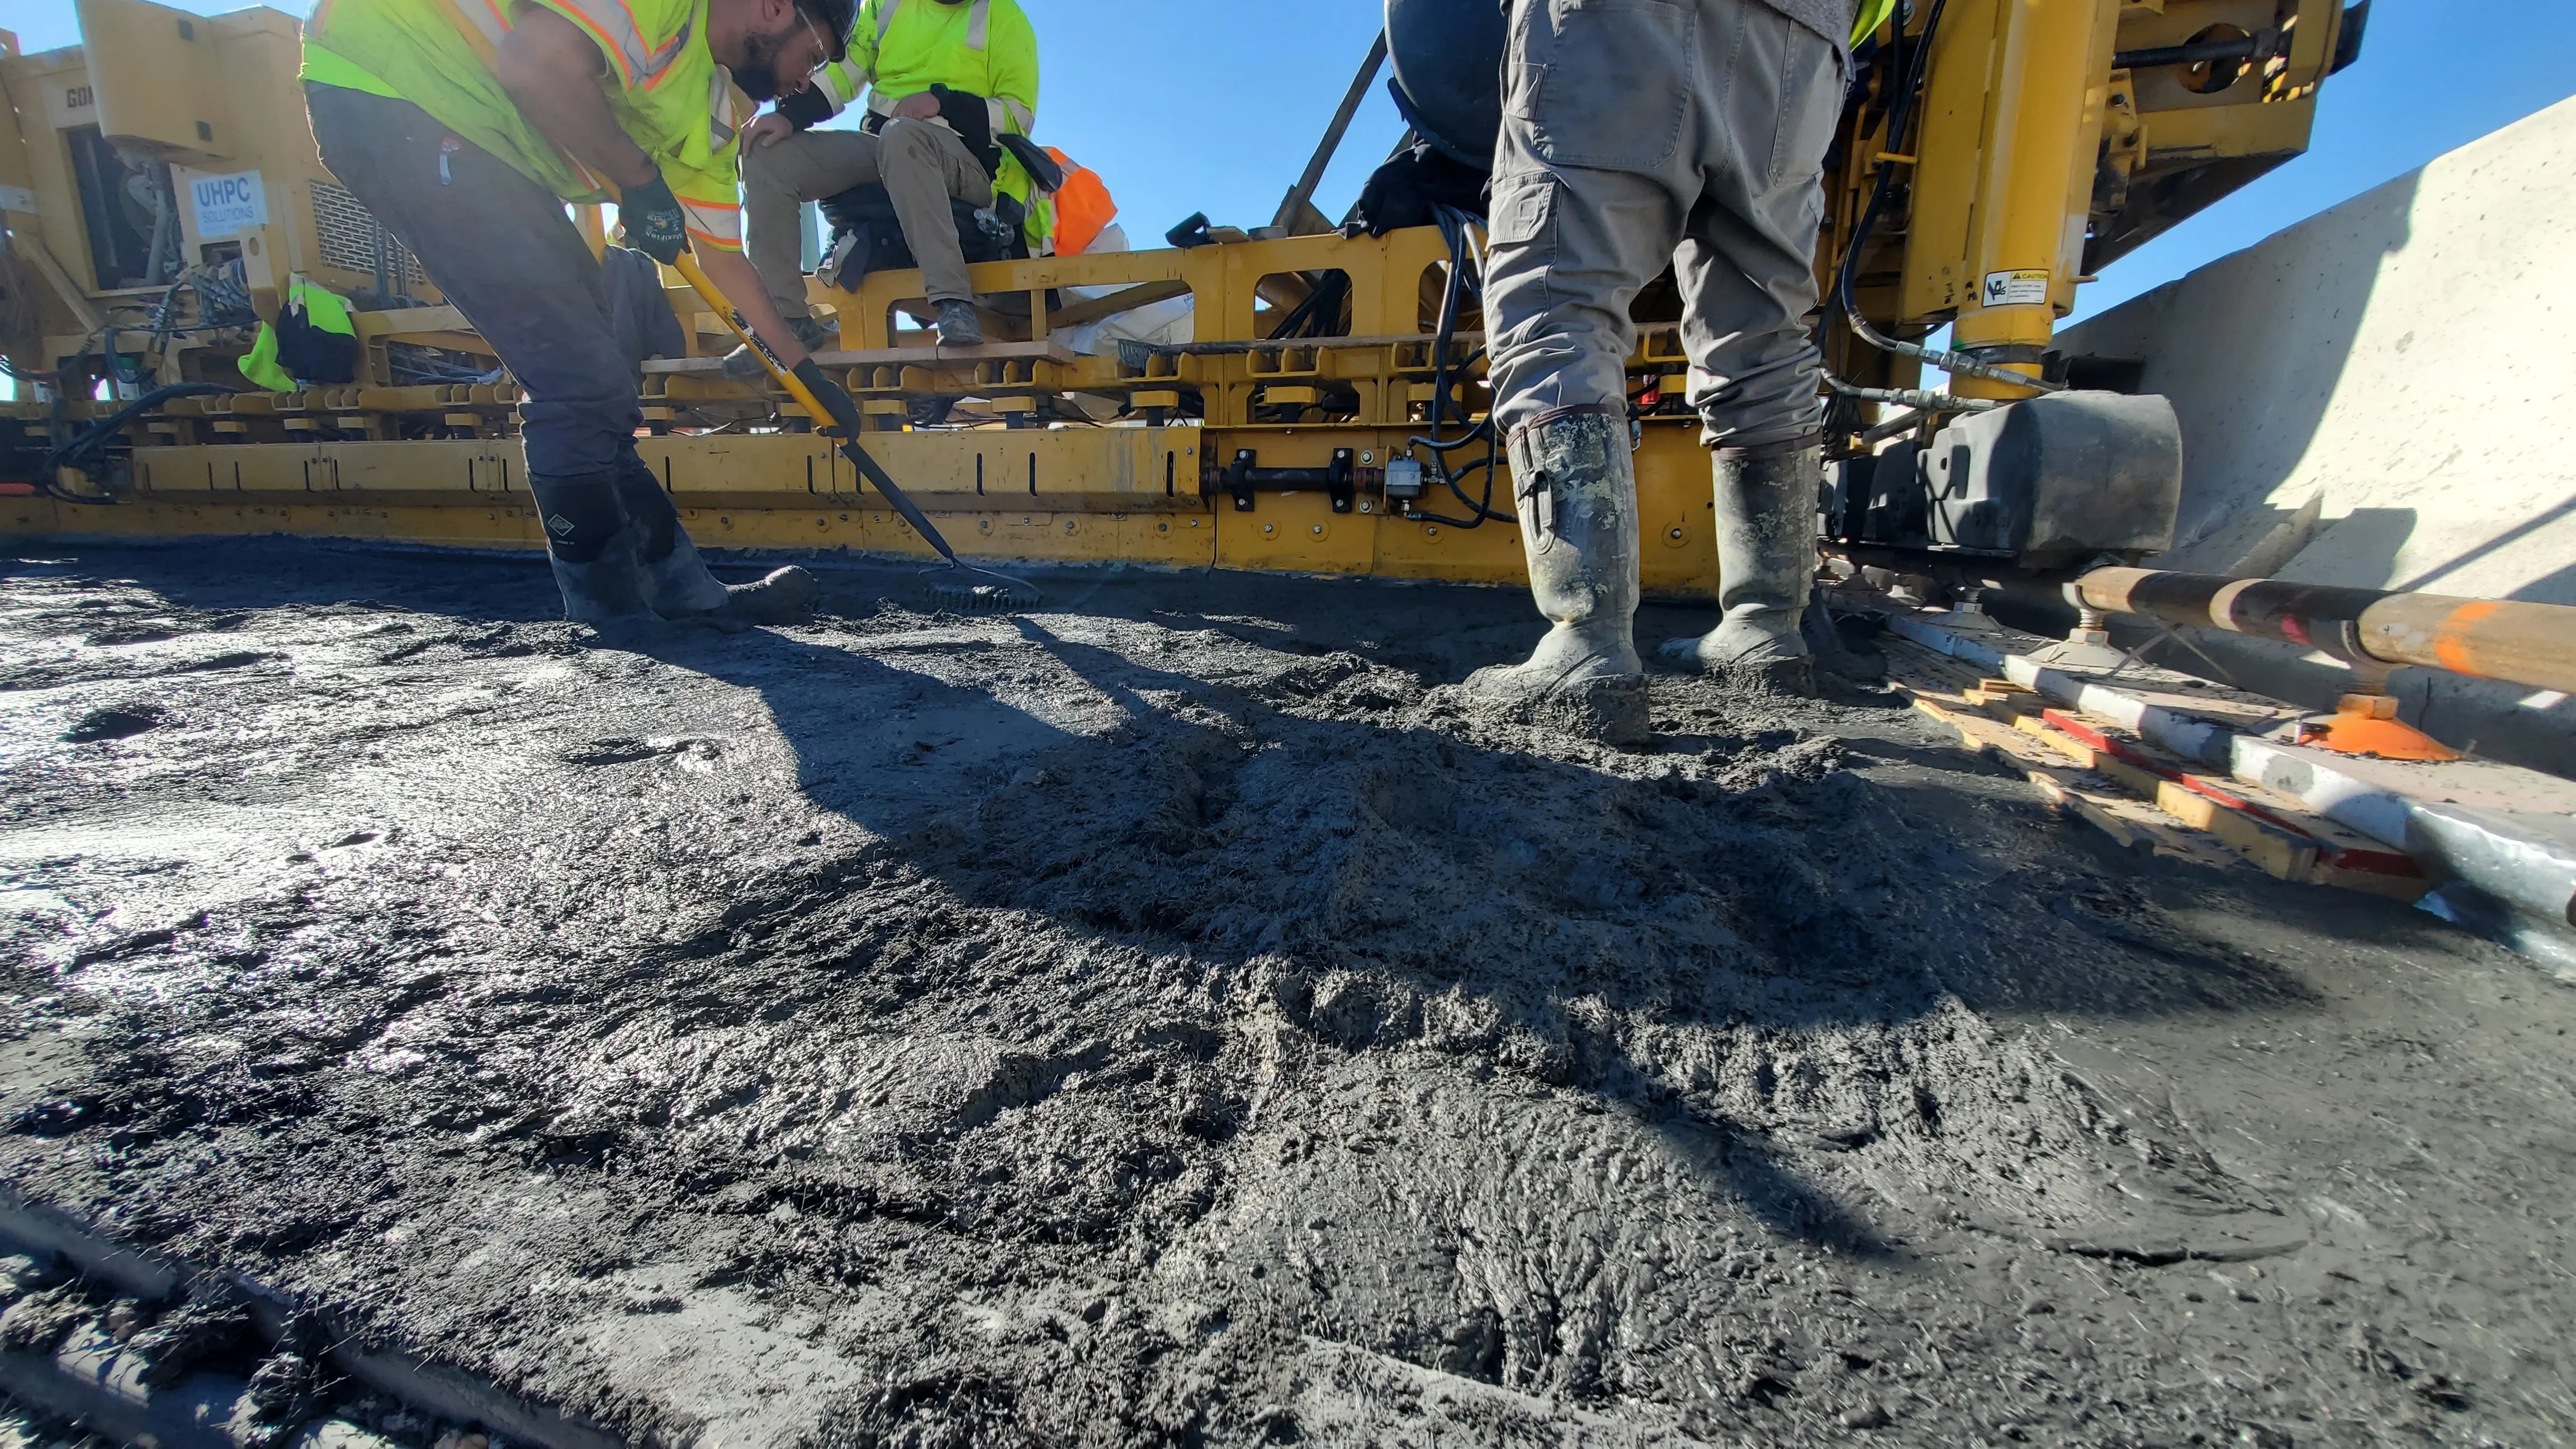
(1269, 528)
(1319, 530)
(1675, 535)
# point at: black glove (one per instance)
(844, 413)
(806, 108)
(652, 220)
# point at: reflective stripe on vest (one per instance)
(483, 24)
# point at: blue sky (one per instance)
(1214, 105)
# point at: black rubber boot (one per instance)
(1575, 486)
(677, 583)
(1766, 570)
(744, 365)
(592, 547)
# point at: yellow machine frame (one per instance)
(2029, 144)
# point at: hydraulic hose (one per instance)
(1900, 114)
(1454, 225)
(81, 450)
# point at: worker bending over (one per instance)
(944, 80)
(1690, 133)
(465, 125)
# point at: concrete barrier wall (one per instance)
(2383, 396)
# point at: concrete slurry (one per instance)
(1159, 1020)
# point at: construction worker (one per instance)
(1681, 132)
(465, 125)
(944, 79)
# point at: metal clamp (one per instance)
(1245, 477)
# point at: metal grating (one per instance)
(351, 234)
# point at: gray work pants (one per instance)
(1643, 132)
(920, 164)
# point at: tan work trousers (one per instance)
(922, 165)
(1644, 133)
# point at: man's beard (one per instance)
(758, 73)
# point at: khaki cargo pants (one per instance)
(921, 165)
(1638, 133)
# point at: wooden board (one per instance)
(2143, 797)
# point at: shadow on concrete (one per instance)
(1287, 816)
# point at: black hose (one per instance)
(1900, 114)
(1453, 225)
(81, 450)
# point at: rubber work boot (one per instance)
(676, 581)
(592, 547)
(959, 326)
(1766, 570)
(743, 365)
(1575, 486)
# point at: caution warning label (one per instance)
(2026, 288)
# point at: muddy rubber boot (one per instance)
(593, 549)
(676, 582)
(1766, 568)
(1575, 485)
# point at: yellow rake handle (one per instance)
(844, 416)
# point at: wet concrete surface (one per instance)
(1155, 1021)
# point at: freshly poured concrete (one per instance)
(1157, 1020)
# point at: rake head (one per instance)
(976, 591)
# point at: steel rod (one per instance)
(2501, 639)
(1303, 192)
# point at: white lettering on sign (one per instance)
(2028, 288)
(227, 204)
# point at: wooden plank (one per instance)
(2135, 779)
(2282, 854)
(2277, 832)
(2131, 824)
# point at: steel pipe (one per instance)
(2501, 639)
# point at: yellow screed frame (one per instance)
(2021, 113)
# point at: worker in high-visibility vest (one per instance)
(465, 125)
(1689, 134)
(944, 80)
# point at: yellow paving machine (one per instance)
(160, 188)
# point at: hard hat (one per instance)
(832, 20)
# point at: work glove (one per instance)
(653, 221)
(844, 413)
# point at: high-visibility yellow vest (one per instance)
(312, 340)
(1873, 14)
(662, 83)
(901, 48)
